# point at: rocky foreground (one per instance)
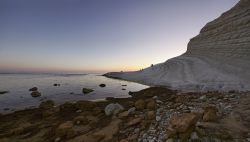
(151, 115)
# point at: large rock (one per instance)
(216, 59)
(113, 109)
(87, 90)
(181, 123)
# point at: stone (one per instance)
(113, 109)
(33, 89)
(158, 118)
(23, 128)
(210, 114)
(123, 114)
(102, 85)
(183, 122)
(203, 98)
(194, 136)
(151, 104)
(124, 140)
(87, 90)
(151, 115)
(35, 94)
(140, 104)
(131, 110)
(67, 108)
(170, 140)
(80, 120)
(134, 121)
(65, 129)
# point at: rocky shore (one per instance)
(151, 115)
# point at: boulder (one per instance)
(33, 89)
(102, 85)
(210, 114)
(140, 104)
(87, 90)
(113, 109)
(35, 94)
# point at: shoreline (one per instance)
(151, 114)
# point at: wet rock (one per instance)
(124, 85)
(102, 85)
(87, 90)
(65, 130)
(123, 89)
(151, 104)
(140, 104)
(35, 94)
(56, 84)
(33, 89)
(113, 109)
(210, 114)
(80, 120)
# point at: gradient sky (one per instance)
(99, 35)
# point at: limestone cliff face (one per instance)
(216, 59)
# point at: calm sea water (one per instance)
(70, 89)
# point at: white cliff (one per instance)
(217, 59)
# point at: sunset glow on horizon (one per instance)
(98, 36)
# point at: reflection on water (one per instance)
(70, 89)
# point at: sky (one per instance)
(99, 35)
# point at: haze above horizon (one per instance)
(98, 36)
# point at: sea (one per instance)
(70, 89)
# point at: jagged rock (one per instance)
(113, 109)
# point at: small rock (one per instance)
(140, 104)
(124, 85)
(170, 140)
(80, 120)
(102, 85)
(210, 114)
(35, 94)
(203, 98)
(134, 121)
(123, 89)
(33, 89)
(158, 118)
(151, 115)
(56, 84)
(131, 110)
(57, 139)
(86, 90)
(113, 109)
(65, 129)
(194, 136)
(151, 104)
(155, 97)
(123, 114)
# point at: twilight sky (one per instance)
(98, 35)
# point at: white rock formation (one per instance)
(217, 59)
